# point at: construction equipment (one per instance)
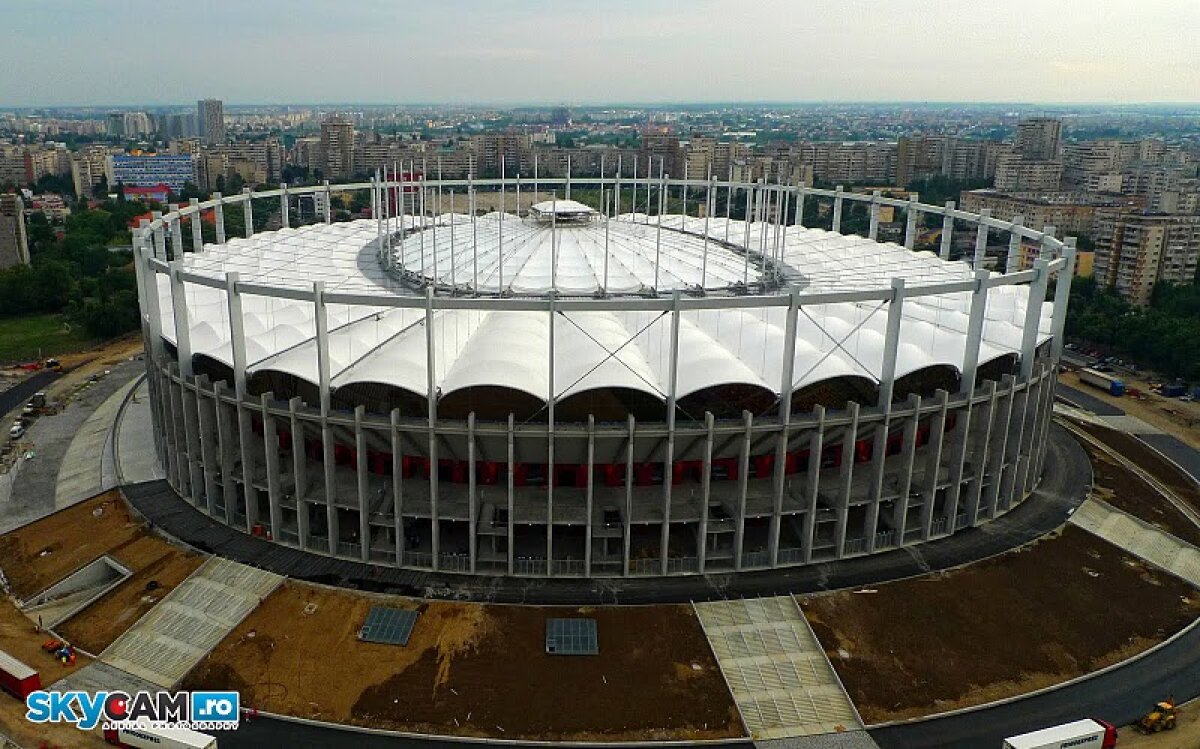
(1160, 718)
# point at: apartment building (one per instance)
(14, 245)
(1071, 213)
(1134, 252)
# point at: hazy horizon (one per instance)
(505, 53)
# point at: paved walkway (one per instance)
(777, 671)
(80, 474)
(1140, 539)
(136, 457)
(201, 611)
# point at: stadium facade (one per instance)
(552, 390)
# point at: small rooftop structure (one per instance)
(562, 212)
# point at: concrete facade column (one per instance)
(271, 448)
(975, 490)
(227, 445)
(588, 499)
(284, 217)
(908, 449)
(321, 327)
(1062, 296)
(816, 445)
(628, 513)
(472, 500)
(512, 496)
(360, 475)
(431, 395)
(1000, 430)
(739, 530)
(397, 483)
(299, 470)
(328, 207)
(208, 441)
(845, 475)
(933, 463)
(887, 384)
(705, 493)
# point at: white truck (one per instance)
(159, 738)
(1081, 734)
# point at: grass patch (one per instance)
(26, 337)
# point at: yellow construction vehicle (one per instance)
(1160, 718)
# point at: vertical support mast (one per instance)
(500, 232)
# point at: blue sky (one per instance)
(97, 52)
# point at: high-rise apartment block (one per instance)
(337, 148)
(1136, 252)
(14, 246)
(1039, 138)
(210, 118)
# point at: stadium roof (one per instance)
(594, 349)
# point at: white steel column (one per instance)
(1033, 316)
(947, 230)
(1008, 384)
(786, 386)
(837, 210)
(873, 229)
(550, 472)
(248, 211)
(1013, 260)
(887, 384)
(328, 206)
(911, 214)
(197, 236)
(1062, 295)
(981, 239)
(321, 322)
(284, 217)
(219, 217)
(669, 457)
(176, 232)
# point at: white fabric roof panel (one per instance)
(618, 349)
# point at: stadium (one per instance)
(550, 389)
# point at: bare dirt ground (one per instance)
(18, 638)
(475, 670)
(40, 554)
(1124, 490)
(1005, 626)
(1168, 414)
(1148, 460)
(159, 568)
(1185, 736)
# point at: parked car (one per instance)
(16, 431)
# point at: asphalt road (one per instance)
(1175, 449)
(24, 390)
(1119, 696)
(1088, 401)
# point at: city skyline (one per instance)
(509, 53)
